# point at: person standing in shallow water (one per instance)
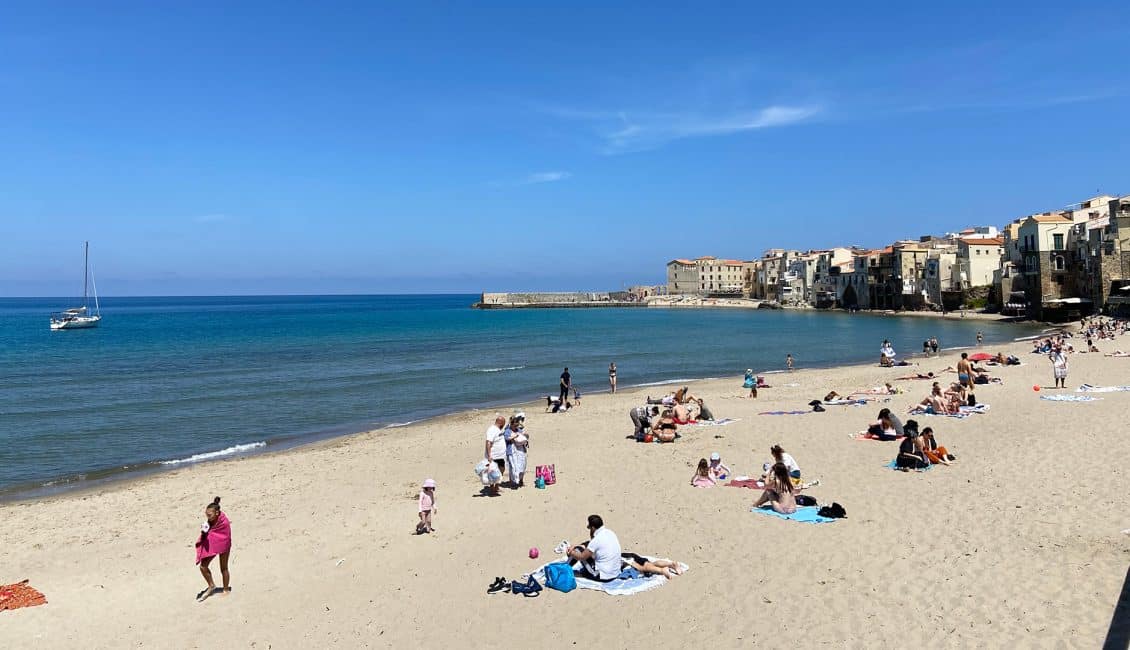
(612, 376)
(215, 539)
(789, 362)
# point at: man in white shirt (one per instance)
(599, 558)
(495, 449)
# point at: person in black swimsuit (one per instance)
(612, 375)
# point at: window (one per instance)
(1057, 242)
(1057, 261)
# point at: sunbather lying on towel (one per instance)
(1117, 353)
(666, 568)
(918, 375)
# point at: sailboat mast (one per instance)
(85, 271)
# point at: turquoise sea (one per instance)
(165, 381)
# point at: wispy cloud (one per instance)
(625, 131)
(545, 177)
(210, 218)
(535, 178)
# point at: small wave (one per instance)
(671, 381)
(506, 369)
(397, 425)
(236, 449)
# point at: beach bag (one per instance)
(559, 576)
(547, 473)
(834, 511)
(972, 399)
(481, 467)
(539, 483)
(805, 500)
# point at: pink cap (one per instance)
(429, 483)
(534, 553)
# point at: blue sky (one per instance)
(262, 147)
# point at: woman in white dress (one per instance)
(517, 445)
(1059, 368)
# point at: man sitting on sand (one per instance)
(599, 558)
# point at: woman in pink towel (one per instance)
(215, 539)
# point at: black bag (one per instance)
(834, 511)
(805, 500)
(972, 399)
(819, 409)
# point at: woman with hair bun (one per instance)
(215, 539)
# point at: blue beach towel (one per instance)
(894, 465)
(785, 413)
(805, 514)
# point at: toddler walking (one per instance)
(427, 507)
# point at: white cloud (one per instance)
(210, 218)
(625, 131)
(545, 177)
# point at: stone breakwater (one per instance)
(547, 300)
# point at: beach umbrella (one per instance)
(980, 356)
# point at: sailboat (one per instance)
(80, 317)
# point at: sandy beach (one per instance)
(1017, 544)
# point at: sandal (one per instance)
(498, 585)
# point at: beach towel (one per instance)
(804, 514)
(894, 465)
(20, 594)
(216, 541)
(863, 435)
(747, 483)
(785, 413)
(1087, 388)
(858, 401)
(1070, 398)
(628, 584)
(715, 423)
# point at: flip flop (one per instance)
(201, 594)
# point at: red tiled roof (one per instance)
(987, 241)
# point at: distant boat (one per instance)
(80, 317)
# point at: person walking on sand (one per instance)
(566, 384)
(965, 371)
(1059, 368)
(612, 376)
(495, 449)
(750, 382)
(427, 505)
(215, 539)
(789, 362)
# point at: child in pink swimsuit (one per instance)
(702, 476)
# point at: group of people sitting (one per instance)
(943, 402)
(659, 419)
(917, 450)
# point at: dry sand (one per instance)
(1018, 544)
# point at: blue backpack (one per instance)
(559, 576)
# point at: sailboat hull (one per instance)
(75, 323)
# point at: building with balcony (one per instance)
(1048, 266)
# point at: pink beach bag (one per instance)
(547, 473)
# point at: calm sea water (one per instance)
(165, 381)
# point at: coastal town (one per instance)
(1051, 266)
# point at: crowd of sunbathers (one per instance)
(659, 419)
